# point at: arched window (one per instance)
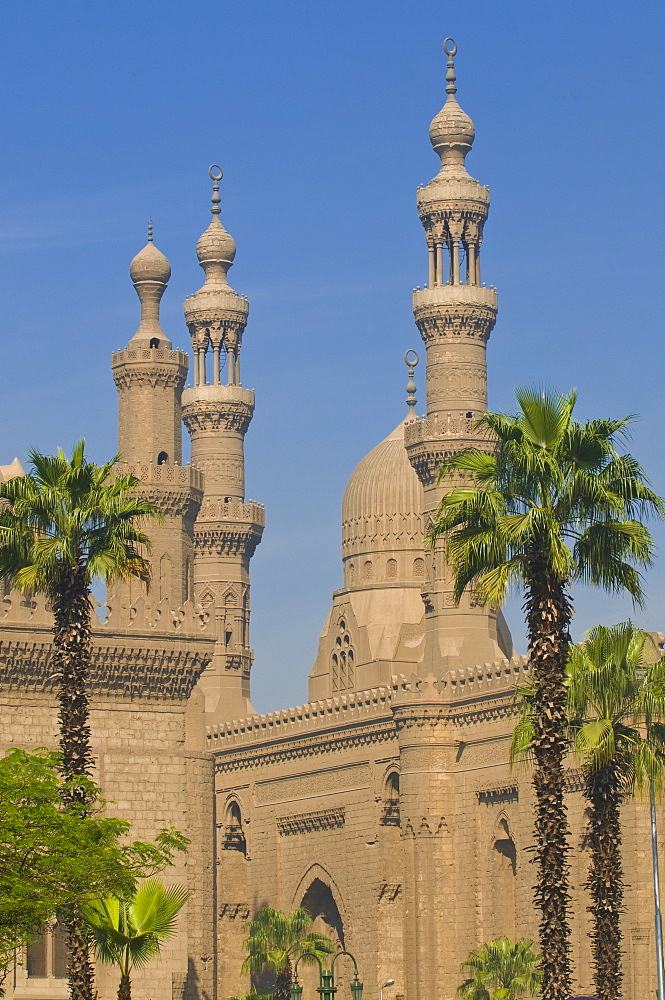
(320, 902)
(419, 568)
(390, 813)
(234, 837)
(154, 341)
(503, 877)
(162, 458)
(342, 660)
(368, 570)
(352, 573)
(391, 569)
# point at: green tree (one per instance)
(52, 857)
(616, 703)
(275, 941)
(129, 931)
(64, 524)
(551, 501)
(501, 970)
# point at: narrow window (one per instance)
(162, 458)
(154, 341)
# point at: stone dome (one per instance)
(382, 516)
(216, 246)
(150, 264)
(451, 132)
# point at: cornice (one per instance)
(154, 673)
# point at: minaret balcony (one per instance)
(218, 394)
(455, 295)
(167, 475)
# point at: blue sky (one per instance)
(318, 114)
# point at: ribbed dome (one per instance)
(150, 264)
(382, 512)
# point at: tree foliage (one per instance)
(52, 857)
(549, 501)
(616, 708)
(276, 940)
(128, 931)
(501, 970)
(64, 524)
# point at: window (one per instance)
(343, 660)
(154, 341)
(47, 956)
(391, 569)
(234, 837)
(162, 458)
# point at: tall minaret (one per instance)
(149, 376)
(455, 314)
(217, 412)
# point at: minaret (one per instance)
(217, 412)
(149, 376)
(455, 314)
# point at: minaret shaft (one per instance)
(455, 315)
(217, 417)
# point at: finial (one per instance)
(450, 49)
(411, 360)
(215, 173)
(149, 230)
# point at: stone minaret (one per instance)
(455, 314)
(217, 412)
(149, 376)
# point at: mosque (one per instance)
(385, 804)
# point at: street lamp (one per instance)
(326, 988)
(388, 982)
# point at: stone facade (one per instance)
(386, 804)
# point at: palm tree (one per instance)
(274, 941)
(550, 502)
(61, 526)
(129, 932)
(509, 969)
(616, 702)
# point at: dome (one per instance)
(451, 132)
(150, 264)
(216, 246)
(382, 514)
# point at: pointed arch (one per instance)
(311, 874)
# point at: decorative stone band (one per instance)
(139, 617)
(448, 311)
(444, 221)
(133, 355)
(430, 442)
(313, 822)
(213, 510)
(126, 376)
(166, 475)
(231, 539)
(205, 415)
(215, 309)
(507, 792)
(119, 670)
(455, 191)
(239, 664)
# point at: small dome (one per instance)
(451, 131)
(150, 264)
(215, 245)
(383, 502)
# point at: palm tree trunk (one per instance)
(605, 882)
(80, 973)
(282, 988)
(125, 987)
(548, 614)
(71, 660)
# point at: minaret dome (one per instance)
(451, 131)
